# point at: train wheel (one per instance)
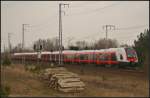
(96, 65)
(116, 66)
(133, 64)
(108, 65)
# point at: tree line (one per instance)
(53, 45)
(141, 45)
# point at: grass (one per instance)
(103, 83)
(5, 91)
(23, 82)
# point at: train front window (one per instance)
(130, 52)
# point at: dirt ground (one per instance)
(99, 82)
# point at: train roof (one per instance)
(46, 52)
(26, 53)
(69, 51)
(74, 51)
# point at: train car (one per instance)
(85, 56)
(45, 56)
(118, 56)
(112, 56)
(29, 57)
(69, 56)
(55, 56)
(105, 57)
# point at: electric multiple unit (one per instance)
(111, 56)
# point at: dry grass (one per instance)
(103, 83)
(24, 83)
(98, 83)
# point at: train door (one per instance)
(81, 58)
(90, 57)
(55, 57)
(103, 58)
(62, 57)
(78, 58)
(50, 58)
(98, 58)
(46, 57)
(95, 58)
(114, 61)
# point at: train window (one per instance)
(104, 57)
(65, 57)
(85, 56)
(70, 56)
(90, 56)
(81, 57)
(130, 52)
(57, 56)
(52, 56)
(113, 57)
(121, 57)
(94, 56)
(77, 56)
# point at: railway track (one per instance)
(127, 71)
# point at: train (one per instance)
(120, 57)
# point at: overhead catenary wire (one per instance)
(85, 4)
(37, 26)
(42, 26)
(95, 10)
(28, 4)
(122, 36)
(46, 21)
(54, 16)
(132, 27)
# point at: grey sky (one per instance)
(83, 20)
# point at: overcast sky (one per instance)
(83, 20)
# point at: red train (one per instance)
(111, 56)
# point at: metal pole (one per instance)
(60, 33)
(106, 36)
(9, 44)
(23, 37)
(106, 28)
(23, 41)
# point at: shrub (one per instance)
(6, 61)
(4, 91)
(104, 78)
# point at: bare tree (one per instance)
(17, 48)
(124, 45)
(101, 43)
(48, 44)
(81, 44)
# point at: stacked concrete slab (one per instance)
(61, 79)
